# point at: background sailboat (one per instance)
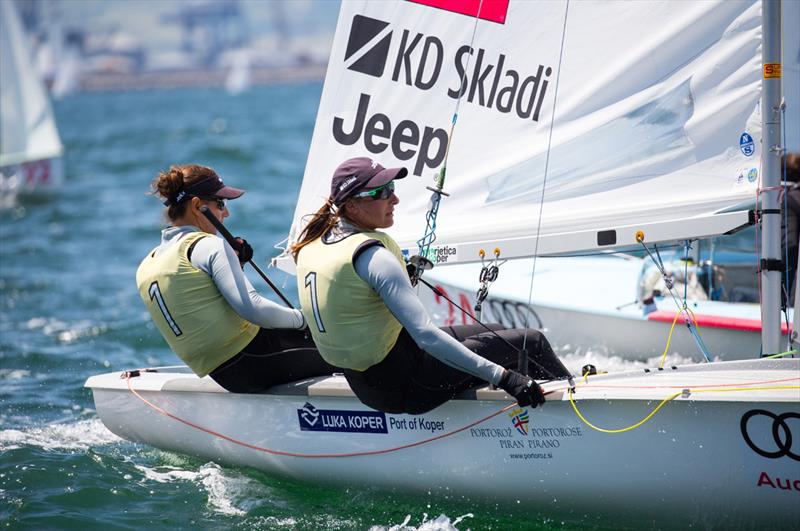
(595, 305)
(30, 147)
(598, 304)
(239, 77)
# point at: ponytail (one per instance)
(323, 220)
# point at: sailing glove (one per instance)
(244, 251)
(524, 389)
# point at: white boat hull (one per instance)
(38, 176)
(690, 463)
(589, 304)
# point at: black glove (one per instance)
(244, 251)
(524, 389)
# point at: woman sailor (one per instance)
(366, 318)
(202, 303)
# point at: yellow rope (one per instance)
(669, 398)
(672, 329)
(782, 354)
(621, 430)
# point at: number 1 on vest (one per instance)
(311, 284)
(155, 294)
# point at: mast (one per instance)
(771, 163)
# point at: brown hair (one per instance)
(168, 184)
(792, 161)
(321, 222)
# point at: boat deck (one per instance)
(759, 380)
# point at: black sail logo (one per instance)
(367, 46)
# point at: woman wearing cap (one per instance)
(790, 222)
(366, 318)
(204, 306)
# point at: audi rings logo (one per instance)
(781, 434)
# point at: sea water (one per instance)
(69, 309)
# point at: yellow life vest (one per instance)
(195, 319)
(350, 324)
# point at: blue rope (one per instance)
(686, 270)
(785, 287)
(424, 243)
(689, 323)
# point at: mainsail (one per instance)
(27, 129)
(632, 115)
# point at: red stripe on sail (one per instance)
(491, 10)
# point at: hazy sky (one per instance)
(144, 19)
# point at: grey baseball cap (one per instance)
(360, 173)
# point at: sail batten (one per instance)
(588, 240)
(657, 120)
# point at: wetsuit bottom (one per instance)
(273, 357)
(409, 380)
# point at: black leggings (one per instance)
(409, 380)
(273, 357)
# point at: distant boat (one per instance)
(30, 147)
(67, 75)
(600, 304)
(239, 79)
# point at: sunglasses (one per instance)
(381, 192)
(220, 202)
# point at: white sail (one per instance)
(238, 79)
(67, 78)
(641, 115)
(27, 129)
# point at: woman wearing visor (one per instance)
(207, 310)
(366, 318)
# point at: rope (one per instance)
(792, 353)
(671, 329)
(785, 286)
(706, 386)
(493, 332)
(686, 250)
(708, 389)
(671, 397)
(546, 168)
(429, 236)
(757, 222)
(670, 288)
(621, 430)
(312, 456)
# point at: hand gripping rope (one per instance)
(522, 354)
